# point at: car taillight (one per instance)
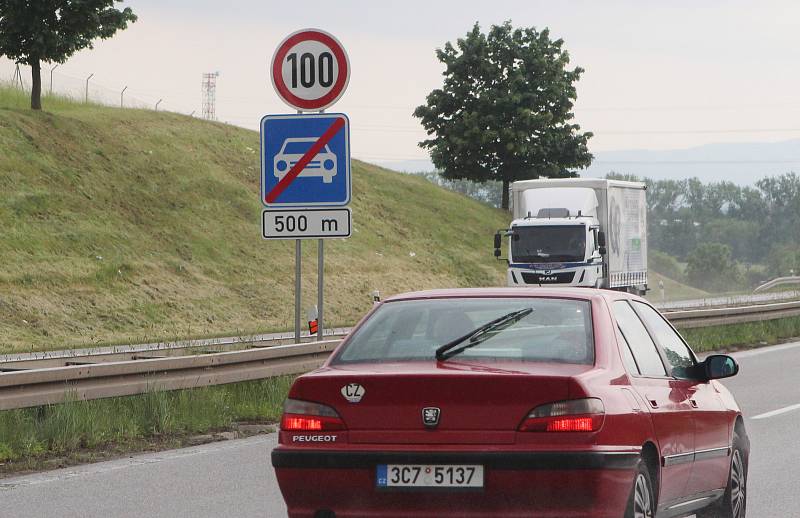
(577, 415)
(306, 416)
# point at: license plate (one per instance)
(429, 475)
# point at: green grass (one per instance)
(124, 225)
(673, 290)
(116, 422)
(749, 334)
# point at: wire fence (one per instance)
(96, 88)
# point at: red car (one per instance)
(558, 403)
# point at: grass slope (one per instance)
(130, 225)
(673, 290)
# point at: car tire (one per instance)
(642, 501)
(733, 503)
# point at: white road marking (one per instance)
(779, 411)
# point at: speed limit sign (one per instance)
(310, 70)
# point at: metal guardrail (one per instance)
(22, 386)
(735, 315)
(63, 358)
(728, 300)
(780, 281)
(84, 382)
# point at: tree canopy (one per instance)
(32, 32)
(710, 266)
(505, 109)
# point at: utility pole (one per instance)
(87, 87)
(159, 102)
(210, 96)
(18, 78)
(51, 78)
(121, 94)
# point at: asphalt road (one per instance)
(235, 479)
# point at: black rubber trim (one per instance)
(282, 458)
(681, 458)
(692, 456)
(711, 454)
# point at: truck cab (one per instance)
(558, 234)
(559, 243)
(556, 251)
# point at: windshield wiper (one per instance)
(481, 334)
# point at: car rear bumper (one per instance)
(531, 484)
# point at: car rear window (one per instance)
(557, 330)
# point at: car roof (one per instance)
(571, 293)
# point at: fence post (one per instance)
(51, 78)
(87, 87)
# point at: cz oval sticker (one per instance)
(353, 392)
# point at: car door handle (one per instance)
(693, 402)
(653, 403)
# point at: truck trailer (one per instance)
(577, 232)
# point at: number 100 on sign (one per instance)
(305, 224)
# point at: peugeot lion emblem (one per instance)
(353, 392)
(430, 416)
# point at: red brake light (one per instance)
(300, 423)
(306, 416)
(572, 424)
(578, 415)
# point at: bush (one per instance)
(783, 260)
(711, 267)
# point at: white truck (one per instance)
(577, 232)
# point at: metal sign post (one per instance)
(320, 286)
(298, 249)
(305, 159)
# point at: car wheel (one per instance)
(734, 502)
(642, 502)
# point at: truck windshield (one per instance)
(548, 244)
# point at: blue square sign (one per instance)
(305, 160)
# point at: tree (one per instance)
(711, 267)
(32, 32)
(505, 109)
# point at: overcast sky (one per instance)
(666, 76)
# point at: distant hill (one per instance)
(742, 163)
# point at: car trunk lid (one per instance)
(478, 403)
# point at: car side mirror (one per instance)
(718, 366)
(498, 242)
(601, 241)
(602, 250)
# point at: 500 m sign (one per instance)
(303, 224)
